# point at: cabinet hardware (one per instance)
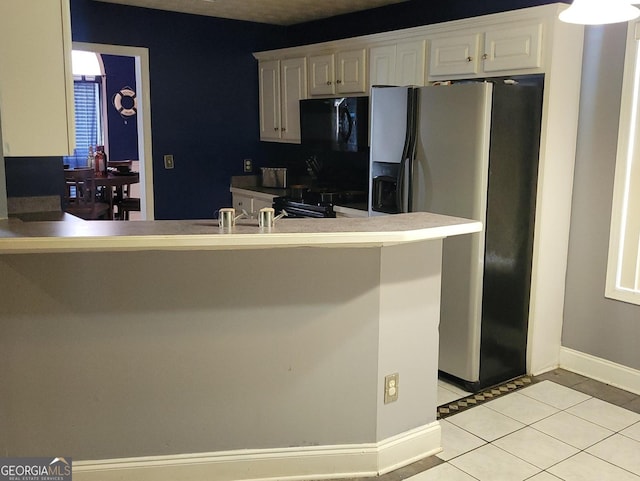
(338, 82)
(328, 82)
(469, 59)
(485, 57)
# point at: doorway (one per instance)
(142, 118)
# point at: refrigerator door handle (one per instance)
(405, 172)
(400, 186)
(413, 116)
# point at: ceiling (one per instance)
(277, 12)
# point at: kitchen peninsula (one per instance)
(172, 350)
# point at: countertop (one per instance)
(17, 236)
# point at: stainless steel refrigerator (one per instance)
(468, 149)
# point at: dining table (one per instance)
(113, 185)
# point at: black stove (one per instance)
(316, 203)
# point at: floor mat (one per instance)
(468, 402)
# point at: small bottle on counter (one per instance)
(91, 158)
(99, 164)
(102, 156)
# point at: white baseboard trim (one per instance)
(309, 462)
(600, 369)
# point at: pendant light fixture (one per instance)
(598, 12)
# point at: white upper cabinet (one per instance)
(351, 73)
(36, 80)
(282, 84)
(410, 63)
(513, 48)
(495, 50)
(454, 55)
(322, 74)
(342, 72)
(400, 63)
(293, 77)
(269, 81)
(382, 65)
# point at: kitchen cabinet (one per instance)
(342, 72)
(495, 50)
(401, 63)
(513, 48)
(283, 83)
(36, 82)
(454, 55)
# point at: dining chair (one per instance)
(123, 202)
(125, 205)
(81, 196)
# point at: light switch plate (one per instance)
(168, 161)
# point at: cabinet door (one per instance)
(269, 100)
(322, 74)
(36, 82)
(351, 75)
(382, 65)
(454, 55)
(513, 48)
(294, 88)
(410, 63)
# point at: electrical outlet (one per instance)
(168, 161)
(248, 165)
(391, 383)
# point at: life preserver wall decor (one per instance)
(125, 102)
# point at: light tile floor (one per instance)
(546, 431)
(562, 427)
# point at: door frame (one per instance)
(143, 119)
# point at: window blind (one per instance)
(86, 95)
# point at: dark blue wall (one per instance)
(204, 96)
(34, 176)
(120, 72)
(204, 92)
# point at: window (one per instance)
(623, 270)
(88, 74)
(87, 96)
